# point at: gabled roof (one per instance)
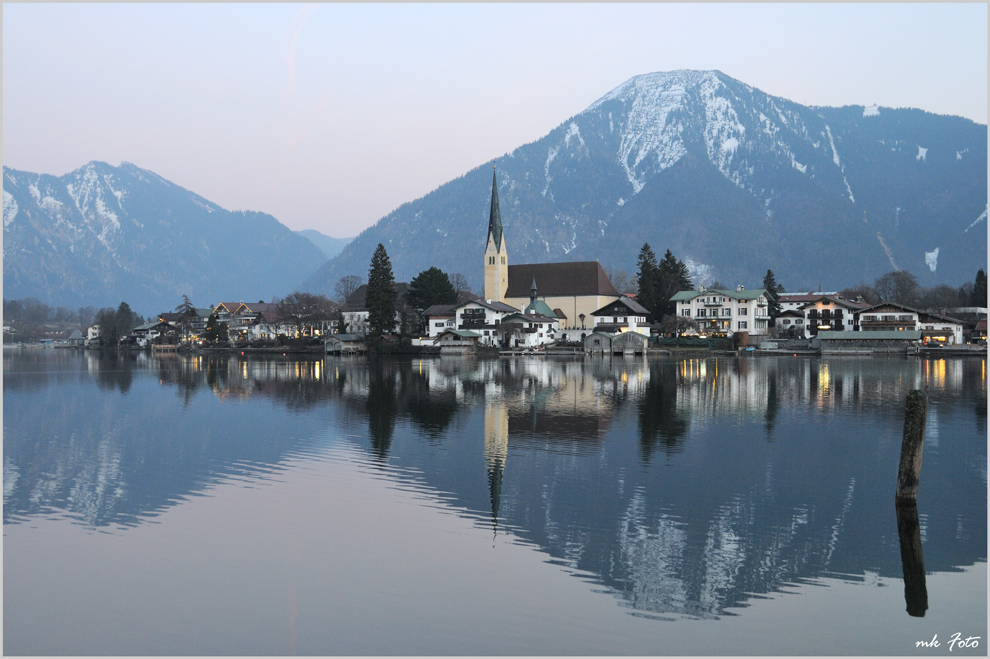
(849, 304)
(560, 314)
(345, 337)
(745, 294)
(792, 298)
(494, 306)
(931, 316)
(790, 313)
(440, 310)
(465, 334)
(358, 299)
(624, 306)
(559, 279)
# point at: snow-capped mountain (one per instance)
(103, 234)
(732, 180)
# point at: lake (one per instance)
(458, 506)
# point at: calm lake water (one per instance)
(215, 505)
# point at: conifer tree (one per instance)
(382, 294)
(773, 295)
(672, 277)
(979, 298)
(647, 293)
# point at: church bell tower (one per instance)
(496, 257)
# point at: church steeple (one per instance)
(495, 217)
(496, 254)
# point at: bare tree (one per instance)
(346, 286)
(459, 282)
(899, 286)
(677, 325)
(306, 309)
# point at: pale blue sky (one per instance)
(330, 116)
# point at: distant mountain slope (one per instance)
(103, 234)
(732, 180)
(329, 246)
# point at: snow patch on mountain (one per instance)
(871, 111)
(798, 166)
(931, 259)
(10, 209)
(701, 274)
(981, 218)
(572, 132)
(922, 152)
(831, 143)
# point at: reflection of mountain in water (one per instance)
(685, 486)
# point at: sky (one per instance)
(331, 116)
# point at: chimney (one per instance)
(739, 287)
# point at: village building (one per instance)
(355, 310)
(527, 330)
(894, 317)
(725, 311)
(455, 341)
(598, 343)
(345, 344)
(790, 324)
(829, 313)
(572, 291)
(483, 317)
(439, 317)
(622, 315)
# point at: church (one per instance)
(573, 291)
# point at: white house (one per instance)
(829, 313)
(483, 317)
(725, 311)
(893, 317)
(622, 315)
(528, 330)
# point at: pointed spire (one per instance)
(494, 217)
(532, 291)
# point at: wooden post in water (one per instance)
(909, 472)
(912, 559)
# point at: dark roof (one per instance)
(358, 299)
(623, 305)
(559, 279)
(494, 216)
(494, 306)
(439, 310)
(851, 304)
(791, 312)
(560, 314)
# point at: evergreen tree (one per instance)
(979, 297)
(773, 295)
(430, 287)
(212, 331)
(672, 277)
(647, 264)
(382, 295)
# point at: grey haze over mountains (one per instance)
(732, 180)
(103, 234)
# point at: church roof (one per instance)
(495, 217)
(539, 307)
(559, 279)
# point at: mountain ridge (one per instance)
(814, 174)
(102, 234)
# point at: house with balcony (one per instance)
(724, 312)
(622, 315)
(482, 317)
(894, 317)
(527, 330)
(831, 313)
